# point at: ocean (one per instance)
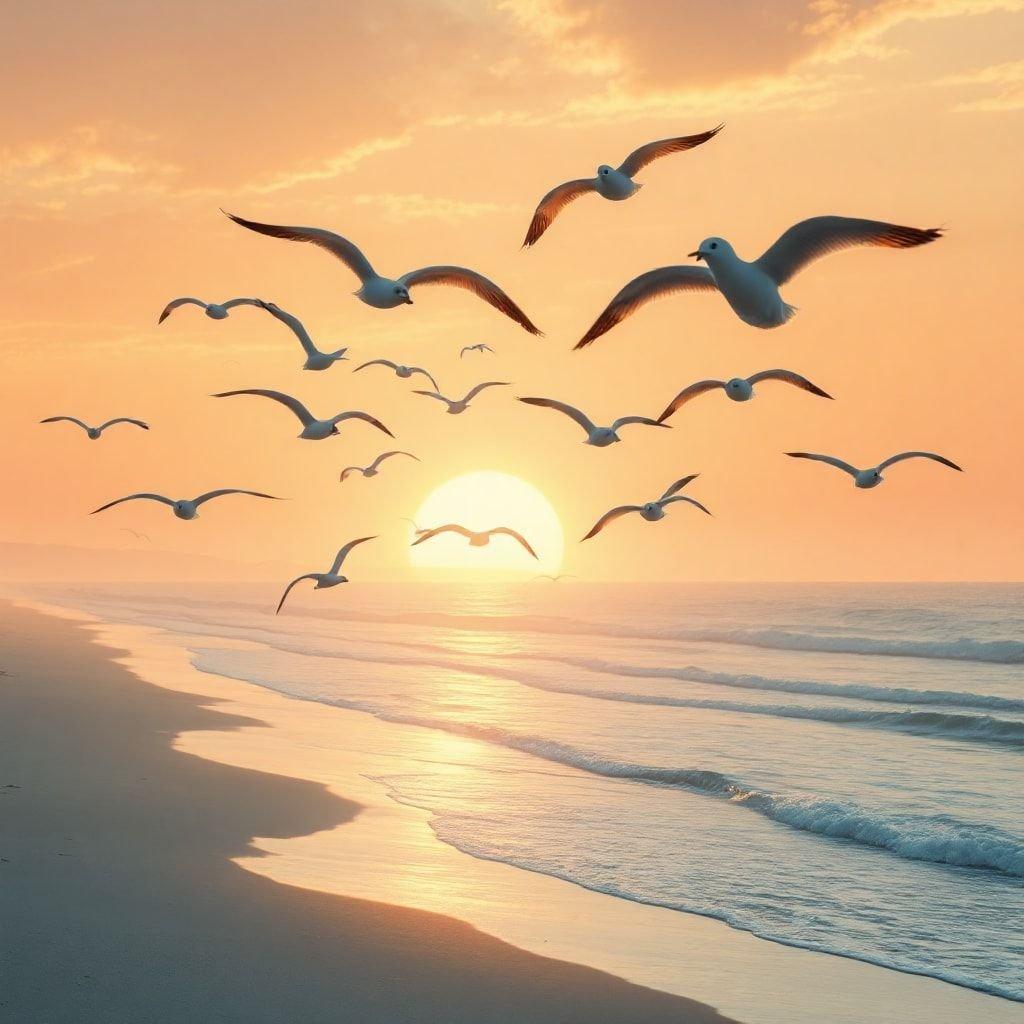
(836, 767)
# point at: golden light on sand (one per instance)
(480, 501)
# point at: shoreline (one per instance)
(387, 852)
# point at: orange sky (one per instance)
(426, 132)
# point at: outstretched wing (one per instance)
(348, 471)
(610, 517)
(288, 589)
(232, 490)
(175, 303)
(365, 417)
(342, 554)
(434, 394)
(425, 373)
(65, 419)
(123, 419)
(483, 287)
(571, 411)
(553, 204)
(683, 497)
(641, 157)
(645, 288)
(134, 497)
(678, 485)
(473, 392)
(346, 251)
(387, 455)
(292, 322)
(789, 377)
(625, 421)
(811, 239)
(829, 459)
(377, 362)
(304, 415)
(509, 532)
(919, 455)
(434, 531)
(687, 394)
(231, 303)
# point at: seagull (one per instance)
(865, 479)
(385, 292)
(324, 580)
(554, 579)
(752, 289)
(312, 428)
(135, 533)
(476, 539)
(739, 389)
(400, 371)
(374, 468)
(214, 310)
(612, 183)
(454, 408)
(315, 359)
(93, 433)
(652, 511)
(185, 508)
(599, 437)
(481, 347)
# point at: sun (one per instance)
(480, 501)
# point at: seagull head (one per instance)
(93, 433)
(711, 248)
(403, 293)
(603, 171)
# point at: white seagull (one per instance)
(739, 389)
(476, 538)
(455, 407)
(405, 372)
(611, 182)
(752, 289)
(214, 310)
(599, 437)
(185, 508)
(93, 433)
(325, 580)
(315, 359)
(481, 347)
(312, 428)
(374, 467)
(385, 292)
(865, 479)
(652, 511)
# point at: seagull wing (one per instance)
(231, 303)
(434, 531)
(484, 288)
(570, 410)
(919, 455)
(683, 497)
(365, 417)
(377, 362)
(387, 455)
(231, 490)
(123, 419)
(553, 204)
(509, 532)
(346, 251)
(348, 471)
(65, 419)
(473, 392)
(811, 239)
(678, 485)
(652, 285)
(625, 421)
(610, 517)
(342, 554)
(292, 322)
(425, 373)
(304, 415)
(134, 497)
(175, 303)
(288, 589)
(789, 377)
(641, 157)
(830, 459)
(687, 394)
(434, 394)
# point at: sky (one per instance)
(426, 132)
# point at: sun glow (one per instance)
(480, 501)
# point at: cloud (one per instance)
(403, 207)
(1009, 94)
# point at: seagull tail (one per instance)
(788, 311)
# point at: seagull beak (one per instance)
(408, 300)
(696, 255)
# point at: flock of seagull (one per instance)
(750, 288)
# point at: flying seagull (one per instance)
(374, 467)
(214, 310)
(865, 479)
(455, 407)
(477, 539)
(652, 511)
(481, 347)
(325, 580)
(739, 389)
(315, 359)
(185, 508)
(135, 533)
(312, 428)
(385, 292)
(752, 289)
(93, 433)
(611, 183)
(555, 579)
(400, 370)
(599, 437)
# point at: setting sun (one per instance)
(481, 501)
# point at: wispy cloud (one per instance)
(1008, 78)
(403, 207)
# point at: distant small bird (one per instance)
(93, 433)
(385, 292)
(315, 359)
(325, 580)
(405, 372)
(555, 579)
(739, 389)
(374, 467)
(865, 479)
(652, 511)
(135, 533)
(312, 428)
(214, 310)
(611, 183)
(481, 347)
(477, 539)
(599, 437)
(752, 289)
(185, 508)
(455, 407)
